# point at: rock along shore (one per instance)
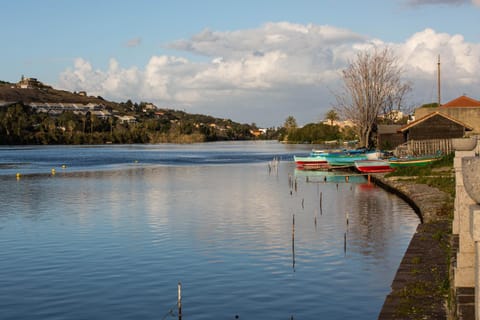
(421, 284)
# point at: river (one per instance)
(112, 230)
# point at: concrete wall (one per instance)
(467, 115)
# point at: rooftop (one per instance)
(462, 101)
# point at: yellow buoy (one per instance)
(53, 170)
(63, 166)
(18, 175)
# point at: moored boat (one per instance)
(344, 159)
(411, 161)
(373, 166)
(316, 162)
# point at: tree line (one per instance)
(20, 124)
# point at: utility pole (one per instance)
(438, 80)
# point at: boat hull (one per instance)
(310, 162)
(373, 166)
(398, 163)
(343, 160)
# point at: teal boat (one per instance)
(342, 159)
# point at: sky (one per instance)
(249, 61)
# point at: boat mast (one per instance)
(438, 80)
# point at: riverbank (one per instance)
(420, 289)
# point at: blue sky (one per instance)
(251, 61)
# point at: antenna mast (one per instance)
(438, 79)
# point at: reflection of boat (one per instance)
(412, 161)
(315, 162)
(328, 176)
(373, 166)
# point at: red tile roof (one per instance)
(462, 101)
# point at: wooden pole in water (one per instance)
(179, 301)
(293, 243)
(321, 196)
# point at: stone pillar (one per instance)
(464, 271)
(475, 233)
(460, 204)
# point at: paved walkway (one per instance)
(420, 287)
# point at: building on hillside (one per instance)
(127, 119)
(340, 124)
(435, 125)
(394, 115)
(29, 83)
(463, 109)
(148, 107)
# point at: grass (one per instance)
(439, 174)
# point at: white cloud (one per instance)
(264, 75)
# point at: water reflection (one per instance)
(241, 239)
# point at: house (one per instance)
(29, 83)
(126, 119)
(148, 107)
(463, 109)
(389, 136)
(435, 125)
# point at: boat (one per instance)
(315, 162)
(373, 166)
(374, 155)
(412, 161)
(334, 157)
(344, 159)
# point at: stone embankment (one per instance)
(421, 284)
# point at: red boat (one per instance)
(311, 162)
(373, 166)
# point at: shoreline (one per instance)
(420, 287)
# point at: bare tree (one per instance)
(371, 85)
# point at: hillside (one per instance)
(10, 92)
(34, 113)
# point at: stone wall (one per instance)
(466, 226)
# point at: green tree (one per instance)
(290, 123)
(331, 116)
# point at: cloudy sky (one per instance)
(251, 61)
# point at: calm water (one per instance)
(111, 235)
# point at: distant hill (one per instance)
(34, 113)
(12, 92)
